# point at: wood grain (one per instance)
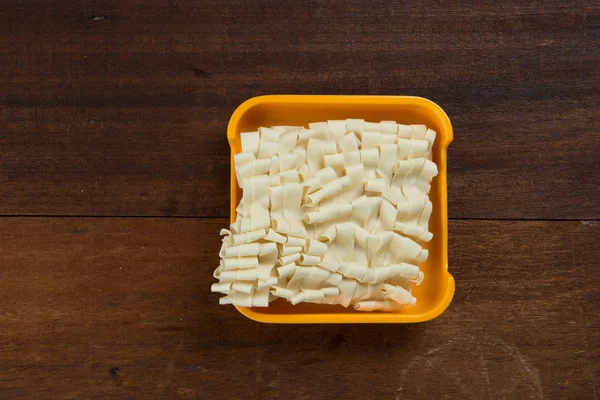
(114, 307)
(114, 110)
(121, 109)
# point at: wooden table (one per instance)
(114, 184)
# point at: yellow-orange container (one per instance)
(436, 291)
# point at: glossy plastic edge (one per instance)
(446, 136)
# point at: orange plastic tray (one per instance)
(436, 291)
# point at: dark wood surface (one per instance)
(120, 307)
(114, 184)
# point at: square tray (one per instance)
(436, 292)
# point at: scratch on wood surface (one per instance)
(485, 372)
(186, 393)
(533, 373)
(455, 376)
(588, 224)
(586, 346)
(169, 374)
(482, 349)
